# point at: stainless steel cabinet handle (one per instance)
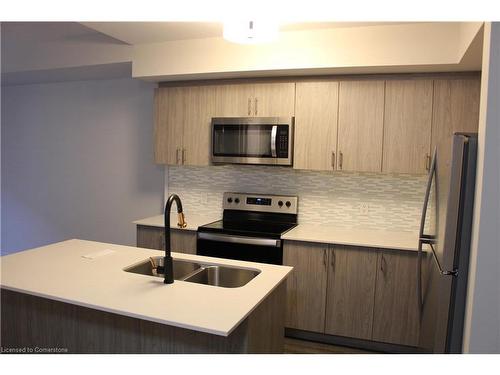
(239, 239)
(427, 162)
(341, 159)
(183, 157)
(332, 263)
(325, 252)
(383, 264)
(256, 107)
(177, 156)
(333, 160)
(249, 106)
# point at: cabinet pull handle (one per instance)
(177, 156)
(427, 162)
(332, 263)
(256, 106)
(341, 159)
(183, 155)
(324, 257)
(383, 264)
(333, 160)
(249, 106)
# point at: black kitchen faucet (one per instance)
(168, 269)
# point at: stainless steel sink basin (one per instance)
(226, 277)
(182, 268)
(215, 275)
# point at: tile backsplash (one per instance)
(343, 199)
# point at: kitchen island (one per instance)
(76, 296)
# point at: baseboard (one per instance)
(351, 342)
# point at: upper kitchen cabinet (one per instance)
(182, 124)
(259, 99)
(274, 99)
(407, 126)
(360, 126)
(455, 109)
(167, 132)
(234, 100)
(316, 113)
(199, 110)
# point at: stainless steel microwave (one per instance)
(252, 140)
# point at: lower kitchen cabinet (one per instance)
(306, 287)
(350, 291)
(396, 318)
(354, 292)
(182, 241)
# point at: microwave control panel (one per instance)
(282, 141)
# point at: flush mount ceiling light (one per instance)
(250, 31)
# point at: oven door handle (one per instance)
(274, 130)
(239, 239)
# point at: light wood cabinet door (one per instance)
(306, 286)
(407, 126)
(169, 117)
(257, 99)
(234, 100)
(396, 318)
(455, 109)
(181, 241)
(198, 112)
(350, 292)
(316, 105)
(361, 126)
(150, 237)
(273, 99)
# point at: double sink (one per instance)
(199, 273)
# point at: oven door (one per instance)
(252, 249)
(262, 140)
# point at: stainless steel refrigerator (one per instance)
(444, 244)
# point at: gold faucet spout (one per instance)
(181, 220)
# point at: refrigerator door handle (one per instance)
(453, 272)
(422, 238)
(425, 239)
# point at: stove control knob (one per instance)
(229, 200)
(288, 204)
(280, 203)
(237, 200)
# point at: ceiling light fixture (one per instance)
(250, 31)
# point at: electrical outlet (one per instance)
(364, 208)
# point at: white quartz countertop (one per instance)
(354, 237)
(61, 272)
(398, 240)
(193, 221)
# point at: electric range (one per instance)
(250, 229)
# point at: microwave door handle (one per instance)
(274, 130)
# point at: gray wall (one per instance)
(77, 162)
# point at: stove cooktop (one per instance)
(250, 228)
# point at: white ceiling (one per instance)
(153, 32)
